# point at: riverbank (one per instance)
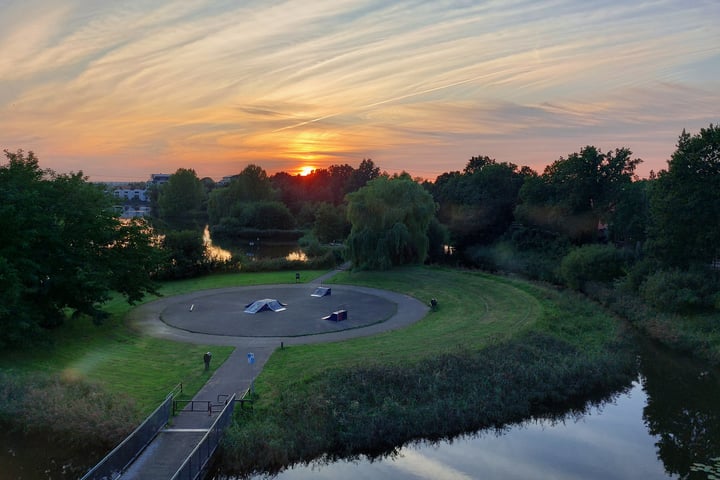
(495, 350)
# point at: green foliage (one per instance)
(62, 248)
(186, 255)
(265, 215)
(477, 205)
(685, 202)
(390, 219)
(575, 194)
(591, 263)
(181, 200)
(250, 185)
(331, 224)
(438, 238)
(630, 216)
(680, 291)
(323, 261)
(533, 253)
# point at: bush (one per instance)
(483, 257)
(311, 246)
(636, 275)
(679, 291)
(591, 263)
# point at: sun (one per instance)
(305, 170)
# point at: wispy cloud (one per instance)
(412, 84)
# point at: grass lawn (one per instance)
(475, 310)
(123, 361)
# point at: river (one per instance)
(655, 429)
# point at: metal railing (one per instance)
(121, 456)
(197, 462)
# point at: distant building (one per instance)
(131, 194)
(159, 178)
(226, 180)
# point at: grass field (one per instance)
(123, 361)
(475, 310)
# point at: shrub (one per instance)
(679, 291)
(591, 263)
(311, 246)
(482, 257)
(636, 275)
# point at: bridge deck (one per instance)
(167, 452)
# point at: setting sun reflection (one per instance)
(214, 252)
(297, 255)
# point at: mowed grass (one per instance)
(126, 362)
(474, 310)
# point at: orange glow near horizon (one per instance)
(305, 170)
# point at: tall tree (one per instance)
(62, 247)
(181, 199)
(390, 217)
(366, 171)
(250, 185)
(685, 202)
(477, 205)
(575, 194)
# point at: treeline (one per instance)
(586, 221)
(586, 218)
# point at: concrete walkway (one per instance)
(166, 453)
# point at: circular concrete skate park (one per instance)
(222, 312)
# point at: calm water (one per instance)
(665, 421)
(249, 249)
(607, 443)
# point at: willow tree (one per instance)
(390, 218)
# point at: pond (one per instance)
(655, 429)
(248, 248)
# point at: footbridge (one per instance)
(177, 441)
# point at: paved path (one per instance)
(170, 448)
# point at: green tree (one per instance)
(477, 205)
(575, 194)
(62, 247)
(366, 171)
(331, 223)
(685, 202)
(390, 219)
(186, 254)
(181, 200)
(250, 185)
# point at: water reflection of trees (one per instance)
(682, 411)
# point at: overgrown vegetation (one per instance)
(68, 410)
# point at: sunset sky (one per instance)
(123, 89)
